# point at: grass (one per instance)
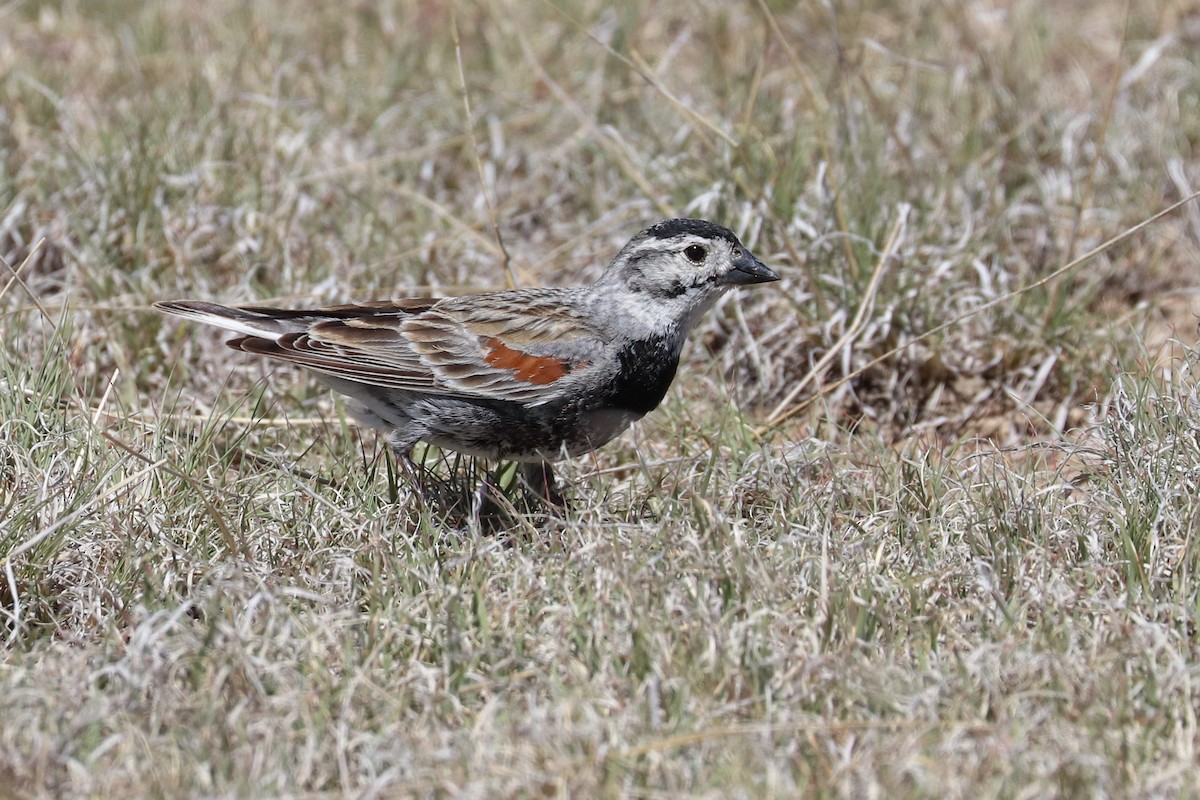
(964, 565)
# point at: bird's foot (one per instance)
(538, 478)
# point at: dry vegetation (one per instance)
(969, 570)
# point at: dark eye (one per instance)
(695, 253)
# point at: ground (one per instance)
(918, 520)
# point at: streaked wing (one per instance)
(520, 346)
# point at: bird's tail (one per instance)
(246, 321)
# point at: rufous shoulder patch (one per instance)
(538, 370)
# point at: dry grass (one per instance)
(967, 571)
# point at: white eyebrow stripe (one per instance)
(673, 243)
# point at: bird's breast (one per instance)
(646, 370)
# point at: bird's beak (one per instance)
(748, 269)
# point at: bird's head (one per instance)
(676, 269)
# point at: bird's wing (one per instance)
(527, 346)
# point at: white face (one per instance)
(674, 271)
(685, 265)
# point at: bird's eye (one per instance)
(695, 253)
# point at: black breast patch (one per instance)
(647, 369)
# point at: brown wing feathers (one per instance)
(298, 348)
(419, 345)
(421, 354)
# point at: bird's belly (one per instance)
(526, 440)
(599, 427)
(511, 431)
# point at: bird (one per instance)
(530, 375)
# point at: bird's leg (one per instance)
(539, 477)
(410, 469)
(489, 504)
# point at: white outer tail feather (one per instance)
(223, 317)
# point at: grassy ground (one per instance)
(959, 561)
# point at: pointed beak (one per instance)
(748, 269)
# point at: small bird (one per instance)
(527, 375)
